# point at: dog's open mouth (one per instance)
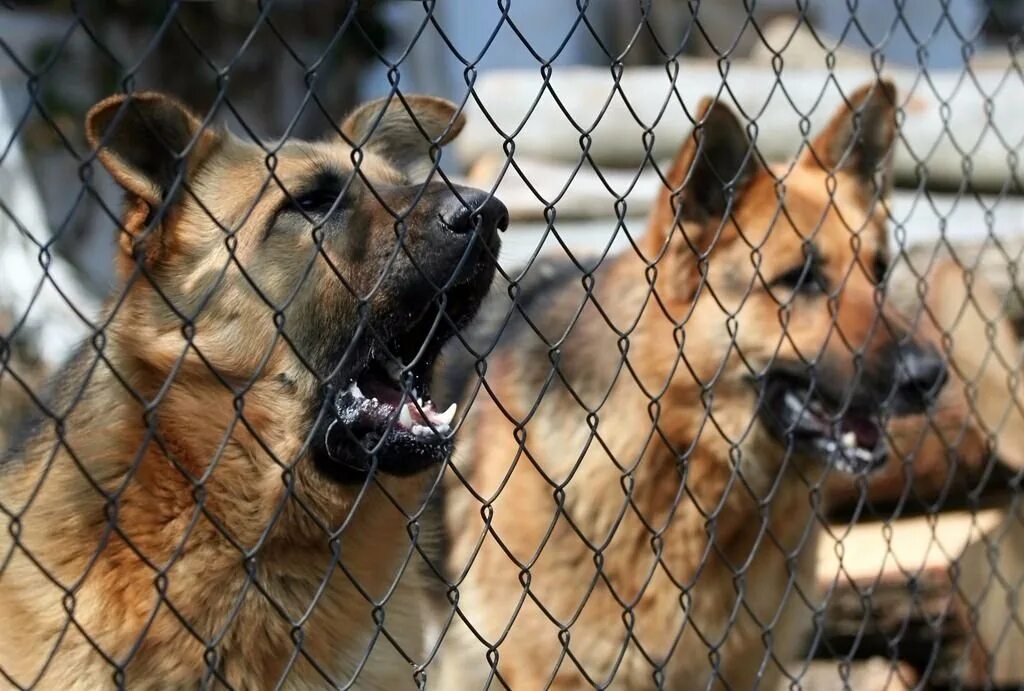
(383, 415)
(388, 397)
(380, 414)
(375, 413)
(803, 416)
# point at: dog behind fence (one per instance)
(334, 427)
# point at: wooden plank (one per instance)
(895, 589)
(868, 553)
(992, 599)
(875, 674)
(941, 591)
(612, 117)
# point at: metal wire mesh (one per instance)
(729, 318)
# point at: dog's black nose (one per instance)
(475, 210)
(920, 375)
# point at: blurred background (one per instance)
(56, 61)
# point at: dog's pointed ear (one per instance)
(859, 138)
(404, 130)
(713, 167)
(145, 140)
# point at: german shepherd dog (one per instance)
(224, 491)
(637, 486)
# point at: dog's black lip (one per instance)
(815, 430)
(414, 361)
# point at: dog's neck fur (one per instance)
(178, 488)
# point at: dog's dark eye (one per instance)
(315, 201)
(805, 279)
(880, 268)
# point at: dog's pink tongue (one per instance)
(411, 414)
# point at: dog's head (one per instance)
(315, 281)
(783, 269)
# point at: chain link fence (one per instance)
(662, 345)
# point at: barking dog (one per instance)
(646, 448)
(223, 487)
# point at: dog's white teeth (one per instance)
(420, 430)
(355, 392)
(864, 455)
(405, 417)
(447, 416)
(849, 440)
(794, 402)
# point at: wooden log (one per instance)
(802, 47)
(876, 674)
(924, 226)
(952, 131)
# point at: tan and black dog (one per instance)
(223, 489)
(637, 484)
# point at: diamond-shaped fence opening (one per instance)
(455, 345)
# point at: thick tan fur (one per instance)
(164, 519)
(619, 518)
